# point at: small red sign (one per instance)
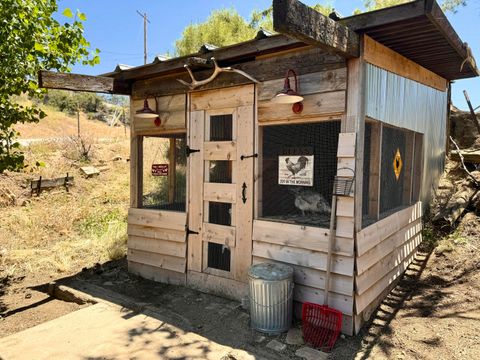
(160, 169)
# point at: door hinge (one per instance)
(188, 151)
(244, 193)
(191, 232)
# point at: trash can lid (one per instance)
(271, 271)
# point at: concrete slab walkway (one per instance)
(108, 331)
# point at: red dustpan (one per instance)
(321, 324)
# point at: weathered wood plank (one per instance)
(160, 261)
(345, 206)
(219, 234)
(171, 110)
(220, 192)
(339, 302)
(363, 300)
(345, 226)
(346, 144)
(305, 60)
(375, 254)
(376, 233)
(50, 183)
(78, 82)
(156, 274)
(244, 181)
(314, 278)
(195, 189)
(146, 244)
(307, 258)
(385, 265)
(324, 81)
(329, 103)
(224, 98)
(292, 18)
(155, 218)
(220, 150)
(385, 58)
(303, 237)
(156, 233)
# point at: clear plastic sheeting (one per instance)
(407, 104)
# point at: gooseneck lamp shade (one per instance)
(146, 112)
(287, 95)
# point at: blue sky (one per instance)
(116, 29)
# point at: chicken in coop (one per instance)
(295, 168)
(309, 201)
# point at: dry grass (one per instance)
(59, 125)
(60, 232)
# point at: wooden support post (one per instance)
(300, 21)
(472, 112)
(355, 122)
(375, 166)
(39, 187)
(171, 170)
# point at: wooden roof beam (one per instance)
(299, 21)
(78, 82)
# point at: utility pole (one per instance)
(145, 20)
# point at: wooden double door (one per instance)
(220, 191)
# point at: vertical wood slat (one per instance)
(374, 177)
(171, 170)
(244, 211)
(195, 201)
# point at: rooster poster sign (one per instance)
(295, 170)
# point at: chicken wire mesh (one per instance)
(299, 164)
(391, 170)
(164, 181)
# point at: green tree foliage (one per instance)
(453, 5)
(69, 102)
(226, 27)
(447, 5)
(31, 40)
(223, 27)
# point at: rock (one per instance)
(294, 337)
(276, 346)
(108, 283)
(260, 339)
(311, 354)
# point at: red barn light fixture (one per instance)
(146, 112)
(289, 96)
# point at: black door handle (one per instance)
(244, 193)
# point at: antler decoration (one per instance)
(217, 70)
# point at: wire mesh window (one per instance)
(221, 127)
(163, 164)
(392, 170)
(218, 256)
(298, 166)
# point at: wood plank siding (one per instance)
(157, 247)
(384, 251)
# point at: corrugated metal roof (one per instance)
(421, 32)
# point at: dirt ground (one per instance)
(433, 313)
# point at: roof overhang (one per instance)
(421, 32)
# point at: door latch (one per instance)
(188, 151)
(244, 193)
(191, 232)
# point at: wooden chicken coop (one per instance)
(226, 172)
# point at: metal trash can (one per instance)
(271, 297)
